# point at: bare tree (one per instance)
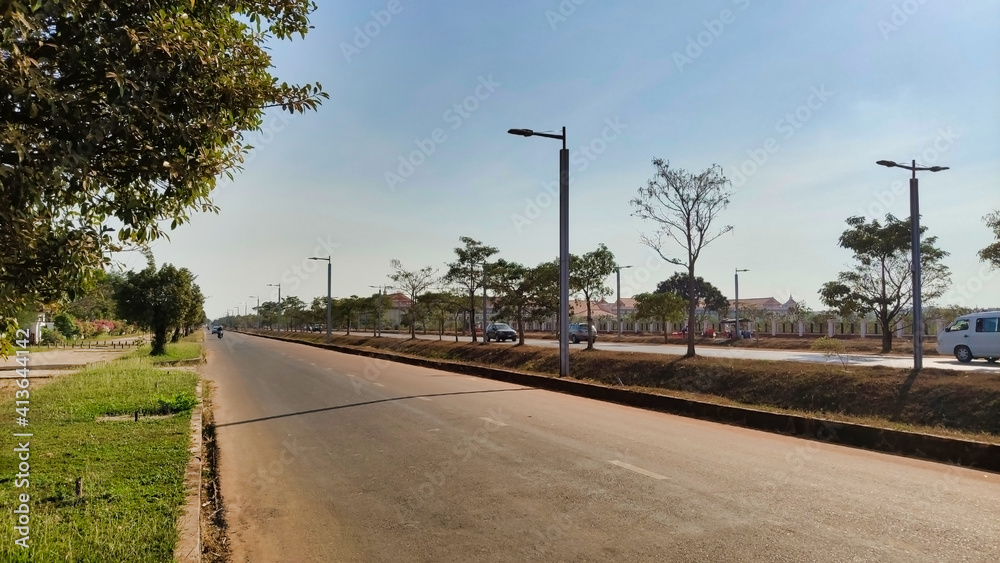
(413, 284)
(683, 206)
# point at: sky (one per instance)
(794, 100)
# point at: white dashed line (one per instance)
(639, 470)
(379, 384)
(491, 421)
(423, 398)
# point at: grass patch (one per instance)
(938, 401)
(187, 348)
(133, 472)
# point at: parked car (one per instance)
(500, 332)
(972, 336)
(580, 331)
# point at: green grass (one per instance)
(133, 472)
(188, 348)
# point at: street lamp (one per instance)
(329, 294)
(278, 285)
(618, 304)
(736, 305)
(563, 244)
(257, 297)
(378, 308)
(918, 321)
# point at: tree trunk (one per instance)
(159, 341)
(472, 313)
(590, 323)
(666, 333)
(176, 336)
(692, 305)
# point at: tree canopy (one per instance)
(664, 307)
(991, 254)
(120, 117)
(524, 294)
(158, 300)
(588, 275)
(467, 272)
(881, 279)
(703, 291)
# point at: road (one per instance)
(333, 457)
(904, 362)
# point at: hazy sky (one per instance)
(795, 100)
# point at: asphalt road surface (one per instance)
(897, 361)
(333, 457)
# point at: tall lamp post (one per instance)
(563, 244)
(618, 303)
(278, 285)
(918, 321)
(329, 294)
(736, 305)
(257, 297)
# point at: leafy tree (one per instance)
(66, 325)
(269, 313)
(678, 284)
(347, 309)
(412, 283)
(97, 301)
(881, 281)
(664, 307)
(991, 253)
(124, 113)
(683, 206)
(587, 275)
(442, 306)
(294, 311)
(524, 294)
(154, 300)
(467, 272)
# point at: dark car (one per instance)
(500, 332)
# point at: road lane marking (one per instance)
(423, 398)
(379, 384)
(491, 421)
(639, 470)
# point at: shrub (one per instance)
(66, 325)
(181, 402)
(50, 336)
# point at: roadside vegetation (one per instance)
(187, 348)
(132, 471)
(942, 402)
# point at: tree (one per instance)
(991, 254)
(96, 301)
(678, 284)
(525, 294)
(347, 310)
(412, 283)
(881, 281)
(124, 113)
(587, 275)
(467, 272)
(683, 206)
(154, 299)
(294, 310)
(66, 324)
(442, 306)
(664, 307)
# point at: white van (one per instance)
(976, 335)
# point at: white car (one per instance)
(976, 335)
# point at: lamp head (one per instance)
(521, 132)
(888, 163)
(937, 168)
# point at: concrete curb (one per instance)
(41, 367)
(188, 548)
(955, 451)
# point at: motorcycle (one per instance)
(220, 334)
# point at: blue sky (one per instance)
(816, 92)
